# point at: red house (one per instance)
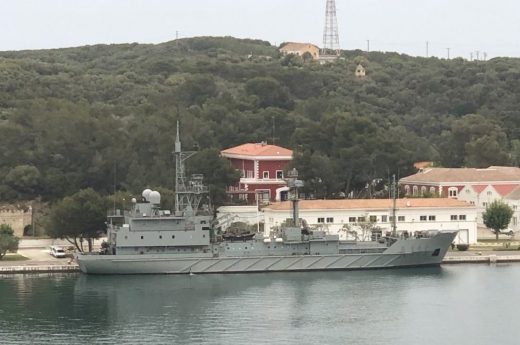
(262, 169)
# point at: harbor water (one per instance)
(454, 304)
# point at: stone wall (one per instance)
(16, 217)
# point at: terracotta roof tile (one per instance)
(371, 204)
(514, 194)
(439, 175)
(504, 189)
(258, 150)
(479, 188)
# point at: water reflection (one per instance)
(363, 307)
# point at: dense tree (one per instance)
(8, 242)
(217, 173)
(102, 115)
(78, 218)
(497, 216)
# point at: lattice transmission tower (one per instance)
(330, 32)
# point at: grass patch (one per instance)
(14, 257)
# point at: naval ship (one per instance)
(150, 240)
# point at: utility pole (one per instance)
(477, 54)
(427, 48)
(471, 56)
(448, 50)
(394, 201)
(368, 46)
(273, 131)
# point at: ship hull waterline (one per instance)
(173, 264)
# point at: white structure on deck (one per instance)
(413, 215)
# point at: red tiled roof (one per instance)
(260, 149)
(440, 175)
(370, 204)
(479, 188)
(504, 189)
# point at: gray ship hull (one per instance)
(403, 253)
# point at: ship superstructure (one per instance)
(147, 239)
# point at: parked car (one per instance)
(508, 232)
(57, 252)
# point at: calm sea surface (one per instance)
(462, 304)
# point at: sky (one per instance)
(466, 27)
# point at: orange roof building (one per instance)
(479, 187)
(262, 168)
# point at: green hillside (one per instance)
(70, 117)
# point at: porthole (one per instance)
(142, 237)
(173, 236)
(160, 237)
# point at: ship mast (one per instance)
(394, 201)
(293, 184)
(188, 193)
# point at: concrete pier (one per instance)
(38, 269)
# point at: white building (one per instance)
(412, 215)
(479, 187)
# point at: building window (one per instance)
(384, 219)
(515, 207)
(265, 174)
(422, 218)
(250, 174)
(400, 218)
(454, 217)
(432, 190)
(321, 220)
(489, 193)
(242, 173)
(263, 195)
(407, 190)
(452, 192)
(361, 219)
(462, 217)
(423, 190)
(514, 220)
(484, 204)
(279, 174)
(431, 218)
(415, 190)
(351, 219)
(373, 219)
(330, 220)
